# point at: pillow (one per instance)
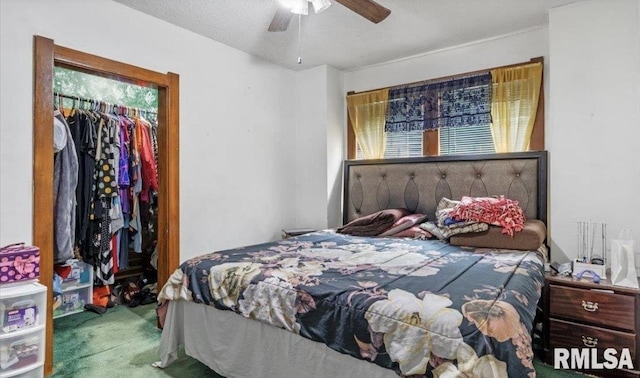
(404, 223)
(414, 232)
(446, 232)
(530, 238)
(373, 224)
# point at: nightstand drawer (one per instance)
(607, 309)
(573, 335)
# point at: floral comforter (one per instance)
(421, 308)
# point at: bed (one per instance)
(326, 304)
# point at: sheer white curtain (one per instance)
(514, 105)
(367, 113)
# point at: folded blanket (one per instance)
(500, 211)
(445, 232)
(404, 223)
(414, 232)
(373, 224)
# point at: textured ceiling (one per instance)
(343, 39)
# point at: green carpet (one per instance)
(123, 342)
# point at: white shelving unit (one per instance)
(22, 329)
(77, 290)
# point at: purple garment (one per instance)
(123, 162)
(124, 201)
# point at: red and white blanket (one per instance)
(500, 211)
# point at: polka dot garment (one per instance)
(105, 184)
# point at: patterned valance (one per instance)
(457, 102)
(406, 109)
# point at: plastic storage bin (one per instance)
(22, 307)
(72, 301)
(35, 371)
(21, 350)
(77, 290)
(81, 276)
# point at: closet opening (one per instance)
(163, 226)
(129, 111)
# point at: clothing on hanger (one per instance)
(116, 183)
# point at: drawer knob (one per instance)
(590, 342)
(590, 306)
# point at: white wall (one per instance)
(489, 53)
(319, 147)
(336, 125)
(236, 123)
(594, 129)
(311, 148)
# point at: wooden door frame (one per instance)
(47, 55)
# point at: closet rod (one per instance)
(78, 98)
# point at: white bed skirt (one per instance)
(237, 347)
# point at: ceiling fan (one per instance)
(368, 9)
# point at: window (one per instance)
(405, 144)
(466, 140)
(458, 138)
(452, 141)
(79, 84)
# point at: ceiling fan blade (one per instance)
(368, 9)
(280, 20)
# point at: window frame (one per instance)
(431, 138)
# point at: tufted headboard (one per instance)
(418, 184)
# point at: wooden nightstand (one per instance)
(582, 314)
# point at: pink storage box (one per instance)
(19, 263)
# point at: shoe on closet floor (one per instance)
(148, 297)
(129, 293)
(95, 308)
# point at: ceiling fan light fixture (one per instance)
(300, 7)
(320, 5)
